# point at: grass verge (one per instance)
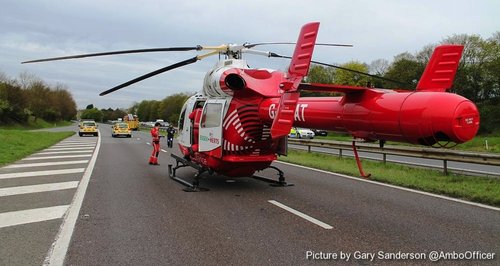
(38, 124)
(473, 188)
(17, 144)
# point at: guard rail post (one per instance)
(445, 166)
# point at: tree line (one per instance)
(477, 78)
(102, 115)
(167, 109)
(29, 96)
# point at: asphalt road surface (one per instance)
(133, 214)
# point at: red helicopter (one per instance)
(239, 123)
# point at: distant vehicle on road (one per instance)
(132, 121)
(121, 129)
(297, 132)
(319, 132)
(88, 128)
(162, 123)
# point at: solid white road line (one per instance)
(45, 164)
(63, 152)
(32, 216)
(56, 157)
(396, 187)
(10, 191)
(163, 150)
(301, 215)
(42, 173)
(57, 253)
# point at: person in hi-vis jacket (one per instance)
(155, 133)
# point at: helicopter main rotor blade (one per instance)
(168, 49)
(150, 74)
(159, 71)
(342, 68)
(251, 45)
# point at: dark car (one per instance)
(319, 132)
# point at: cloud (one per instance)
(37, 29)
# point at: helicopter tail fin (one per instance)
(299, 67)
(441, 69)
(302, 55)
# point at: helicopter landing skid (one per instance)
(275, 183)
(180, 163)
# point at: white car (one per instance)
(298, 132)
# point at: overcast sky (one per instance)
(32, 29)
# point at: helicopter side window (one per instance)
(181, 118)
(211, 115)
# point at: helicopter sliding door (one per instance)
(210, 136)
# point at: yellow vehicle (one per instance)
(297, 132)
(121, 129)
(132, 121)
(88, 128)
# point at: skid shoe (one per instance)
(275, 183)
(180, 163)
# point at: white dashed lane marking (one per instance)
(301, 215)
(45, 164)
(10, 191)
(72, 145)
(56, 157)
(69, 149)
(32, 215)
(65, 152)
(42, 173)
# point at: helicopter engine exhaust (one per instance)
(235, 82)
